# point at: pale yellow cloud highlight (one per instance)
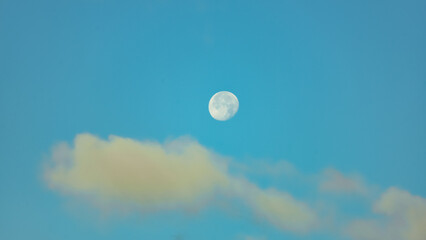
(152, 176)
(276, 207)
(282, 210)
(128, 171)
(406, 218)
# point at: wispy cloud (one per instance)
(403, 217)
(254, 238)
(333, 181)
(149, 176)
(250, 237)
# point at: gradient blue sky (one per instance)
(321, 84)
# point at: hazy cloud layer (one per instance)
(183, 175)
(405, 218)
(149, 176)
(278, 208)
(334, 181)
(254, 238)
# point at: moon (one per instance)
(223, 105)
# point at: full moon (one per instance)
(223, 105)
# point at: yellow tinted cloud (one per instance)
(406, 218)
(128, 171)
(283, 210)
(153, 176)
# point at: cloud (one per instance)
(404, 218)
(334, 181)
(276, 207)
(149, 176)
(370, 230)
(254, 238)
(181, 174)
(249, 237)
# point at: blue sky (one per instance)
(330, 84)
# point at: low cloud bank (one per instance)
(149, 176)
(404, 218)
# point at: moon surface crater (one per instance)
(223, 105)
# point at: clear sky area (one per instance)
(105, 130)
